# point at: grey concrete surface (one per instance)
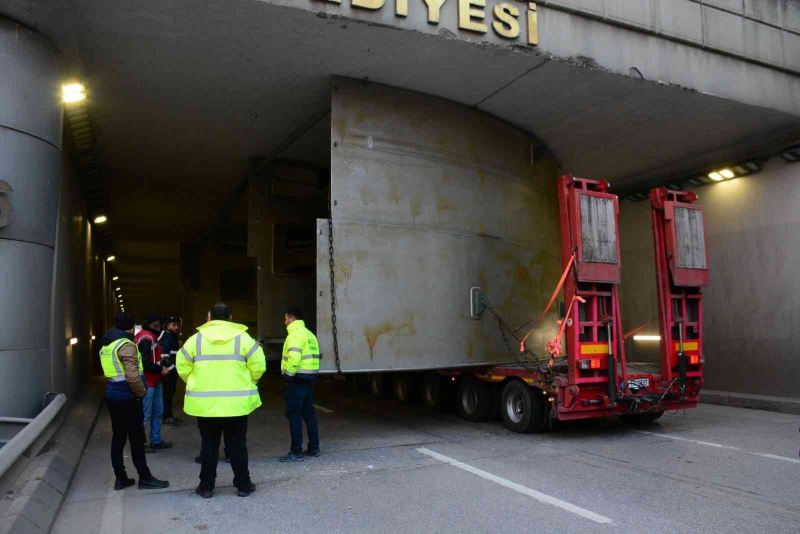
(698, 471)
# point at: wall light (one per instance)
(118, 289)
(111, 258)
(73, 92)
(100, 219)
(94, 337)
(642, 337)
(73, 341)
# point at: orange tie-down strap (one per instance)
(553, 347)
(549, 304)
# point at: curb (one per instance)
(33, 503)
(756, 402)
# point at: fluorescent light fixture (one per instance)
(73, 92)
(111, 258)
(115, 278)
(642, 337)
(118, 288)
(727, 173)
(717, 177)
(73, 341)
(100, 219)
(94, 337)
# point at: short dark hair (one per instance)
(220, 312)
(297, 313)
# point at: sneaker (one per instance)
(312, 454)
(160, 445)
(291, 457)
(172, 421)
(152, 483)
(204, 492)
(122, 483)
(246, 491)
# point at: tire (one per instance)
(432, 390)
(474, 399)
(403, 387)
(377, 384)
(641, 419)
(523, 408)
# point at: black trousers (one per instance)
(299, 397)
(127, 423)
(169, 383)
(235, 431)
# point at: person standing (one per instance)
(147, 341)
(221, 365)
(300, 368)
(125, 389)
(168, 341)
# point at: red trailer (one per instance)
(592, 378)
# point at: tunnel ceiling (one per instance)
(184, 93)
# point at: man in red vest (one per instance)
(147, 341)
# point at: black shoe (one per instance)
(204, 492)
(122, 483)
(160, 445)
(312, 454)
(172, 421)
(152, 483)
(245, 492)
(291, 457)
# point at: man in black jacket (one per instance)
(170, 344)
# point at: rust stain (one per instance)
(372, 333)
(344, 272)
(416, 207)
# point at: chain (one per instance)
(333, 293)
(530, 358)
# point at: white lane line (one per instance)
(537, 495)
(323, 409)
(720, 446)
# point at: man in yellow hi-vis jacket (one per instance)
(221, 365)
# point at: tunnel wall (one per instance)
(30, 162)
(429, 199)
(751, 313)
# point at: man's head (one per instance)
(292, 315)
(153, 321)
(124, 321)
(219, 312)
(172, 324)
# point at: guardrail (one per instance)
(23, 448)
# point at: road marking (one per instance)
(537, 495)
(720, 446)
(323, 409)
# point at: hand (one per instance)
(164, 371)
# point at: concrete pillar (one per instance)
(30, 166)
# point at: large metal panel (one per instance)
(429, 199)
(691, 239)
(30, 83)
(32, 168)
(25, 285)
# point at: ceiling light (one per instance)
(727, 173)
(94, 337)
(100, 219)
(717, 177)
(73, 341)
(118, 289)
(115, 278)
(73, 92)
(791, 154)
(642, 337)
(111, 258)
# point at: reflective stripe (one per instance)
(310, 357)
(186, 355)
(308, 371)
(243, 393)
(252, 350)
(287, 373)
(220, 357)
(237, 345)
(199, 341)
(115, 358)
(117, 379)
(295, 349)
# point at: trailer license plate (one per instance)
(639, 383)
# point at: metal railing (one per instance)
(18, 452)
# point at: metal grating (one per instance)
(691, 238)
(598, 229)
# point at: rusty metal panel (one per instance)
(429, 199)
(690, 235)
(598, 229)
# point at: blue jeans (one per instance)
(299, 398)
(153, 411)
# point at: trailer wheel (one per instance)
(377, 384)
(523, 408)
(474, 399)
(641, 419)
(432, 390)
(403, 387)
